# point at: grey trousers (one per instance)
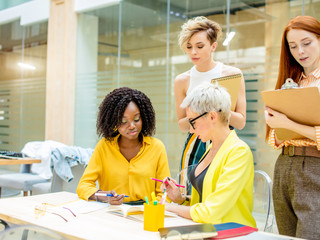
(296, 196)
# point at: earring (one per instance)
(115, 129)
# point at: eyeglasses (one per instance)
(42, 209)
(191, 121)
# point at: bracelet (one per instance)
(96, 195)
(186, 201)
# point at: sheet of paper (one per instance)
(83, 206)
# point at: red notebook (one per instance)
(231, 229)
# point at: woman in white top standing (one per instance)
(198, 38)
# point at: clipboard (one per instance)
(301, 105)
(232, 84)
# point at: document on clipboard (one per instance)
(301, 105)
(232, 84)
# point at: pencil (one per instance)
(158, 180)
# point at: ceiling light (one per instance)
(229, 37)
(26, 66)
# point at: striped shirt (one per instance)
(313, 80)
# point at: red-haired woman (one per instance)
(296, 189)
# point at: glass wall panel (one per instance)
(135, 44)
(11, 3)
(22, 84)
(97, 68)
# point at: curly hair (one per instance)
(112, 108)
(199, 24)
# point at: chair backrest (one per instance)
(29, 232)
(58, 184)
(263, 206)
(3, 225)
(25, 168)
(183, 179)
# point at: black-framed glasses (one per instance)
(191, 121)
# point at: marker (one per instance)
(107, 195)
(155, 202)
(158, 180)
(164, 196)
(153, 196)
(147, 201)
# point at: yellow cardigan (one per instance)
(113, 172)
(227, 187)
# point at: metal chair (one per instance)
(58, 184)
(263, 205)
(3, 225)
(29, 232)
(22, 181)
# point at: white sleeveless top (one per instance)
(197, 78)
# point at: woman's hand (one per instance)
(276, 119)
(173, 191)
(115, 200)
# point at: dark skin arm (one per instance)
(115, 200)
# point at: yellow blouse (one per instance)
(112, 171)
(227, 187)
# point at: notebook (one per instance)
(11, 155)
(232, 84)
(196, 231)
(232, 229)
(133, 212)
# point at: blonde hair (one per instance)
(199, 24)
(209, 97)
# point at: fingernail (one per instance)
(169, 179)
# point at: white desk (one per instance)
(95, 225)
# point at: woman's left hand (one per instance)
(276, 119)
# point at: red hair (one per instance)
(288, 66)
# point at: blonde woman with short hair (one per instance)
(222, 182)
(199, 39)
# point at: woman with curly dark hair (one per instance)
(127, 156)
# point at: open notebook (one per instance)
(133, 212)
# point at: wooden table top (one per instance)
(15, 161)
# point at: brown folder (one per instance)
(232, 84)
(301, 105)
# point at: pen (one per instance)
(107, 194)
(158, 180)
(146, 198)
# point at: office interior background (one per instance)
(59, 58)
